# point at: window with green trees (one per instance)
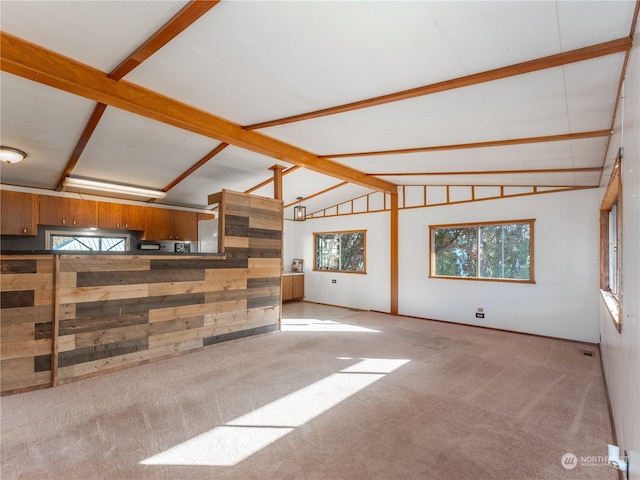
(483, 251)
(340, 251)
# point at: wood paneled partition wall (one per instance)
(69, 316)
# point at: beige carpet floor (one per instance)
(337, 394)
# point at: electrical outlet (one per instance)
(334, 281)
(479, 315)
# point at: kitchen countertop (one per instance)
(89, 252)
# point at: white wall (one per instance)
(560, 304)
(366, 292)
(621, 352)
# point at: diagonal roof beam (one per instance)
(41, 65)
(178, 23)
(182, 20)
(196, 166)
(270, 180)
(493, 143)
(94, 119)
(317, 194)
(586, 53)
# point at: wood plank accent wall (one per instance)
(25, 321)
(115, 311)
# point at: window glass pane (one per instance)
(352, 252)
(455, 251)
(88, 243)
(504, 251)
(613, 249)
(343, 252)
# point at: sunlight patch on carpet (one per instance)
(229, 444)
(315, 325)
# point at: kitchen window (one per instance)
(86, 241)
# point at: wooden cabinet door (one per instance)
(134, 217)
(287, 287)
(298, 286)
(185, 226)
(159, 224)
(83, 213)
(54, 210)
(110, 215)
(19, 213)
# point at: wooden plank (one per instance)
(263, 263)
(211, 284)
(266, 223)
(26, 281)
(177, 275)
(20, 315)
(18, 266)
(236, 242)
(102, 322)
(94, 294)
(99, 263)
(101, 352)
(27, 348)
(187, 311)
(66, 343)
(55, 325)
(236, 198)
(265, 203)
(17, 333)
(19, 374)
(16, 299)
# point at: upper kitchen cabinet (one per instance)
(19, 213)
(122, 216)
(134, 217)
(68, 212)
(164, 224)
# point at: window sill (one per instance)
(612, 305)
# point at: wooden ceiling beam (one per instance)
(269, 180)
(179, 22)
(89, 128)
(308, 197)
(489, 172)
(196, 166)
(462, 146)
(44, 66)
(557, 60)
(191, 12)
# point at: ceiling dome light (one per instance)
(11, 155)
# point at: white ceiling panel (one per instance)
(255, 61)
(131, 149)
(97, 33)
(502, 33)
(590, 22)
(418, 122)
(231, 169)
(587, 84)
(45, 123)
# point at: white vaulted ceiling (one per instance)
(493, 95)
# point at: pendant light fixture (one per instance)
(299, 212)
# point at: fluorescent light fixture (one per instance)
(11, 155)
(112, 187)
